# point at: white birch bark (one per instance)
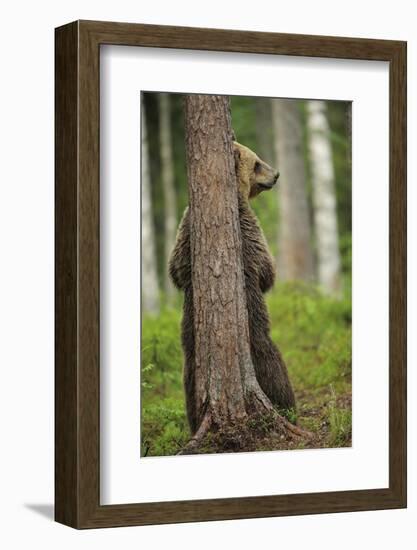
(324, 197)
(150, 292)
(295, 257)
(170, 199)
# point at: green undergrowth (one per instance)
(313, 332)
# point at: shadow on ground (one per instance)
(45, 510)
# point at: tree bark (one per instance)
(324, 197)
(170, 199)
(150, 291)
(294, 238)
(225, 383)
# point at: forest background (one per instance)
(307, 223)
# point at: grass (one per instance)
(340, 423)
(313, 332)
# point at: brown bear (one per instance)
(253, 176)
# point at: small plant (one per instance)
(289, 414)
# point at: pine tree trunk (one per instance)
(324, 197)
(150, 292)
(170, 199)
(225, 383)
(294, 239)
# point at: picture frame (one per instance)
(77, 291)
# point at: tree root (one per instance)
(241, 433)
(295, 430)
(193, 445)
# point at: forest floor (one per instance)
(324, 415)
(314, 336)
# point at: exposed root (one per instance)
(295, 430)
(261, 404)
(194, 444)
(258, 431)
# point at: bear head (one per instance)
(253, 174)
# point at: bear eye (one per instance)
(257, 166)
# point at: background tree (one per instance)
(225, 384)
(324, 198)
(168, 176)
(150, 292)
(294, 236)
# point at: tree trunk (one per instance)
(324, 197)
(225, 383)
(294, 239)
(170, 199)
(150, 292)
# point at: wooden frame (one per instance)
(77, 406)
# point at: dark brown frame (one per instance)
(77, 274)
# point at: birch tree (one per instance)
(150, 291)
(324, 197)
(294, 236)
(168, 185)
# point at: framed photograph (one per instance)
(230, 274)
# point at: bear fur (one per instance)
(253, 177)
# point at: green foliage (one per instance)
(244, 120)
(338, 113)
(161, 355)
(313, 332)
(265, 207)
(289, 414)
(164, 425)
(164, 428)
(345, 245)
(340, 420)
